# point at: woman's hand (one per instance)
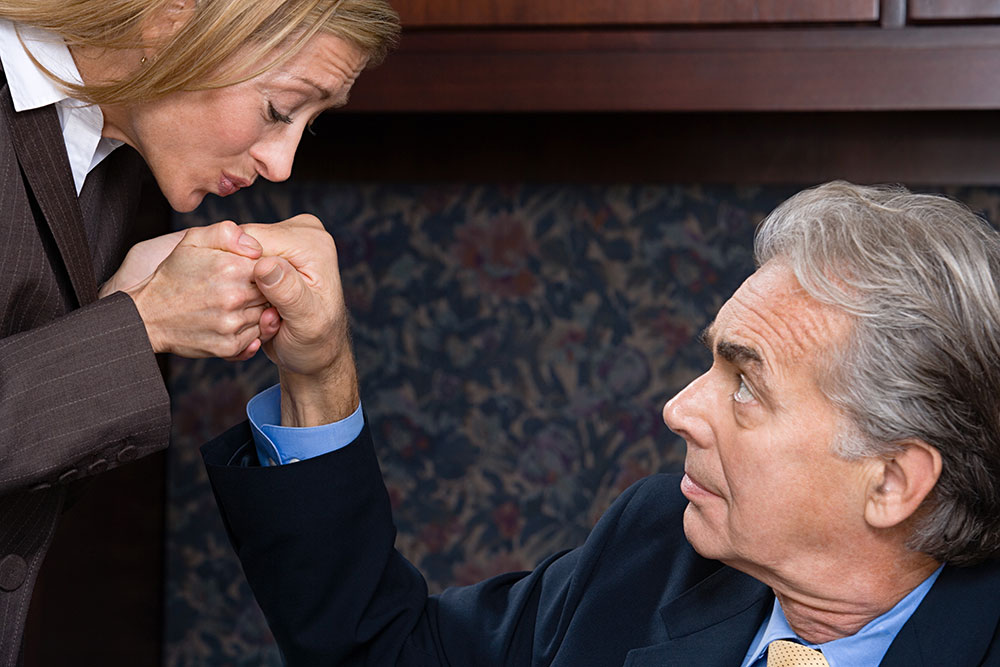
(201, 300)
(140, 262)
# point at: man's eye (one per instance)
(743, 393)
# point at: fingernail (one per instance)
(248, 242)
(271, 277)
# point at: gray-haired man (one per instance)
(841, 488)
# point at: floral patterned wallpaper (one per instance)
(515, 344)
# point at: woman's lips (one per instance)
(229, 184)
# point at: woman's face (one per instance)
(218, 141)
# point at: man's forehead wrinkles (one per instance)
(789, 331)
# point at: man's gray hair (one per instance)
(919, 275)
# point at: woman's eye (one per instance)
(276, 116)
(743, 393)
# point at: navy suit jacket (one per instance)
(316, 542)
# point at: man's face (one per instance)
(765, 488)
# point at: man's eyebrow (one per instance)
(738, 354)
(749, 360)
(734, 353)
(707, 337)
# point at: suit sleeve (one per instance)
(79, 395)
(315, 539)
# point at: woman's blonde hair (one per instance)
(200, 54)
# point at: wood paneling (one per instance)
(437, 13)
(832, 69)
(936, 10)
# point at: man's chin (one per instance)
(699, 533)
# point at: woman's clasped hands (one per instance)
(196, 294)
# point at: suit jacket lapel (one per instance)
(955, 623)
(714, 622)
(711, 624)
(41, 153)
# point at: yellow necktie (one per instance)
(782, 653)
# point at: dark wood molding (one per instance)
(892, 13)
(938, 10)
(492, 13)
(821, 69)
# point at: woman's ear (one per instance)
(901, 482)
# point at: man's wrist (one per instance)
(319, 398)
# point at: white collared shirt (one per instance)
(30, 89)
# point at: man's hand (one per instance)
(299, 276)
(201, 301)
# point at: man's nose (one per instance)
(685, 413)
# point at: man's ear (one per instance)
(166, 21)
(901, 482)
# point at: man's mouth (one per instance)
(692, 489)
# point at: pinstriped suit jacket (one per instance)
(80, 391)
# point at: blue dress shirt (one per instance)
(865, 647)
(277, 444)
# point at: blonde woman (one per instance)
(210, 95)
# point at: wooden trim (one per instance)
(493, 13)
(893, 14)
(936, 10)
(830, 69)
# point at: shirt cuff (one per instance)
(277, 444)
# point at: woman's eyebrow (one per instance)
(324, 94)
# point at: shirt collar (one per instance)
(865, 647)
(82, 124)
(30, 88)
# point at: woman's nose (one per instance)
(275, 156)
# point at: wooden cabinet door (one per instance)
(438, 13)
(943, 10)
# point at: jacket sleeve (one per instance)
(79, 395)
(315, 539)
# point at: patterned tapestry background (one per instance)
(515, 346)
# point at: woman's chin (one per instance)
(185, 203)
